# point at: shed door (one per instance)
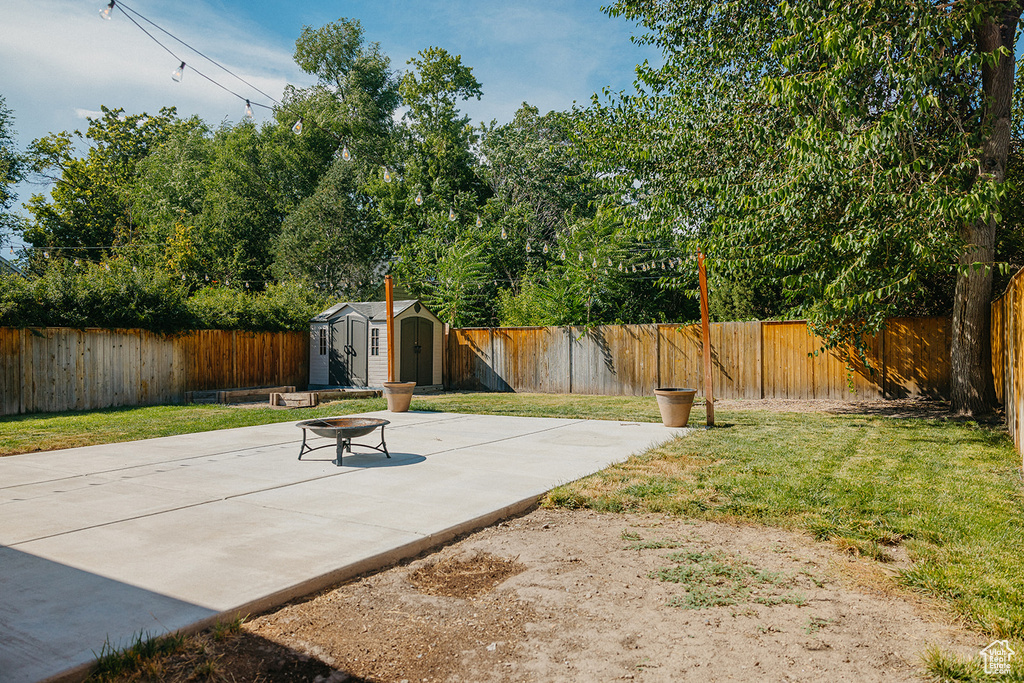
(417, 351)
(358, 349)
(348, 352)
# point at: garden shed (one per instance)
(349, 345)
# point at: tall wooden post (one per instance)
(705, 333)
(389, 302)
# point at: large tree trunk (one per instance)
(973, 392)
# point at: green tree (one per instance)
(12, 170)
(334, 238)
(89, 209)
(858, 148)
(433, 162)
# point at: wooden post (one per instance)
(389, 302)
(705, 331)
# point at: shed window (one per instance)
(323, 341)
(375, 342)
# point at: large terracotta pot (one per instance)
(399, 395)
(675, 405)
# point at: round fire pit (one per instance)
(343, 429)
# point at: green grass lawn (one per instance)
(949, 493)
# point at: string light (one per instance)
(344, 153)
(248, 110)
(479, 222)
(387, 176)
(620, 267)
(528, 247)
(131, 14)
(178, 73)
(46, 254)
(594, 264)
(419, 199)
(504, 235)
(76, 263)
(545, 247)
(562, 255)
(581, 257)
(451, 214)
(297, 128)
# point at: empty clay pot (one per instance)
(675, 405)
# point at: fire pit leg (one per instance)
(344, 444)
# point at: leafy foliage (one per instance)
(12, 169)
(118, 294)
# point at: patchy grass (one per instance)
(626, 408)
(950, 493)
(716, 579)
(944, 667)
(50, 431)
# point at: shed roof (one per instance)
(373, 310)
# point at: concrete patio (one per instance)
(103, 543)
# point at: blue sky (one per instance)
(61, 61)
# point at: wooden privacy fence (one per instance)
(750, 360)
(55, 369)
(1008, 355)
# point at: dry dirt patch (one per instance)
(576, 596)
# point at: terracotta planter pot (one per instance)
(399, 395)
(675, 405)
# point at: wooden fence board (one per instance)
(58, 369)
(751, 360)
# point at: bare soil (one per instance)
(579, 596)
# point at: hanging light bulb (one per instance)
(479, 222)
(545, 248)
(135, 269)
(387, 176)
(419, 199)
(451, 214)
(609, 263)
(594, 264)
(581, 257)
(107, 11)
(528, 247)
(562, 255)
(344, 153)
(634, 268)
(620, 267)
(182, 278)
(76, 263)
(297, 128)
(504, 235)
(178, 73)
(247, 285)
(106, 267)
(207, 278)
(248, 110)
(46, 254)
